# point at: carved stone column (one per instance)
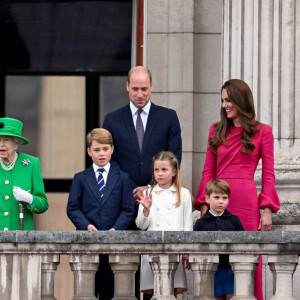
(283, 268)
(163, 267)
(124, 268)
(244, 267)
(49, 265)
(84, 268)
(204, 268)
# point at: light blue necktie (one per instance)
(101, 183)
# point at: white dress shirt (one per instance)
(104, 174)
(144, 114)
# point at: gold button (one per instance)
(5, 229)
(6, 214)
(6, 182)
(6, 197)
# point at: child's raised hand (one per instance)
(146, 201)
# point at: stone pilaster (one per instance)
(164, 268)
(84, 268)
(204, 268)
(283, 268)
(169, 56)
(124, 268)
(49, 265)
(244, 267)
(259, 46)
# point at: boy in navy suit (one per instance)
(101, 199)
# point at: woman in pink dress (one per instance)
(235, 146)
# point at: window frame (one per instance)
(92, 85)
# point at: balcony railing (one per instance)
(29, 259)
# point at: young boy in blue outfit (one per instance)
(101, 199)
(218, 218)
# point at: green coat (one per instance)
(26, 174)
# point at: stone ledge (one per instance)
(148, 237)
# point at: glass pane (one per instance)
(66, 36)
(52, 109)
(113, 94)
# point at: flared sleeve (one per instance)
(209, 172)
(268, 196)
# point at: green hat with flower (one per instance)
(12, 127)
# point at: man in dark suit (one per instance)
(161, 130)
(101, 199)
(140, 130)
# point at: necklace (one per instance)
(10, 166)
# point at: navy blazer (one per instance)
(115, 210)
(162, 133)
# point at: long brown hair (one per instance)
(173, 161)
(241, 97)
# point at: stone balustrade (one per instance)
(29, 259)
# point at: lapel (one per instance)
(112, 179)
(91, 182)
(128, 123)
(150, 126)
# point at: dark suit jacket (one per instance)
(162, 133)
(85, 206)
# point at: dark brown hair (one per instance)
(173, 161)
(217, 186)
(241, 97)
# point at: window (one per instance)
(63, 67)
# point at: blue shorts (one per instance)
(224, 280)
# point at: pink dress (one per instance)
(238, 169)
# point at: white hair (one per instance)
(18, 141)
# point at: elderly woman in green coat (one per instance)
(20, 179)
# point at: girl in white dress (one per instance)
(166, 206)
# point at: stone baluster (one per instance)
(124, 268)
(283, 267)
(244, 267)
(49, 265)
(84, 268)
(204, 268)
(164, 267)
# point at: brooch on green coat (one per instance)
(26, 162)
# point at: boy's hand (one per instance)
(112, 229)
(185, 261)
(91, 228)
(146, 201)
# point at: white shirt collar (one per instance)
(217, 215)
(157, 188)
(134, 109)
(106, 167)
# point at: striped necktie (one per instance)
(140, 129)
(101, 183)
